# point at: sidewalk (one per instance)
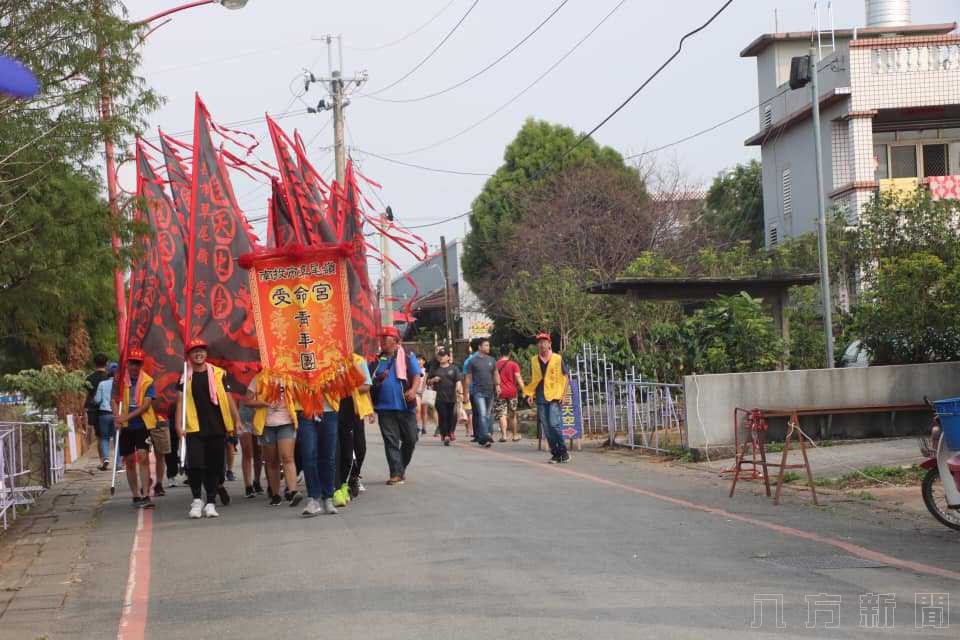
(41, 553)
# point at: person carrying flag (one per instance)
(210, 416)
(135, 425)
(548, 384)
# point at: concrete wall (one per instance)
(711, 399)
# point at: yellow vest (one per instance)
(260, 414)
(193, 423)
(362, 402)
(555, 384)
(143, 383)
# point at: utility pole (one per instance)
(336, 87)
(446, 292)
(821, 212)
(386, 286)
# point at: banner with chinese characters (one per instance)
(301, 305)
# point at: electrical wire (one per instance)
(422, 167)
(708, 129)
(227, 59)
(609, 116)
(409, 35)
(428, 56)
(481, 71)
(520, 94)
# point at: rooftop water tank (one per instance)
(888, 13)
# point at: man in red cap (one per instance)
(548, 384)
(134, 425)
(210, 416)
(394, 392)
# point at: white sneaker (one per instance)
(312, 509)
(210, 511)
(196, 509)
(328, 506)
(360, 487)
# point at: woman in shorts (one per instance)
(251, 455)
(275, 424)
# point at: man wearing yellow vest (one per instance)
(210, 415)
(549, 380)
(134, 426)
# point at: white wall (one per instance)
(711, 399)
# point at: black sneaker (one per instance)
(294, 498)
(147, 503)
(158, 490)
(136, 502)
(554, 460)
(249, 493)
(231, 477)
(354, 487)
(487, 444)
(223, 495)
(565, 458)
(257, 487)
(275, 500)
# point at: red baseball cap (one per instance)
(196, 343)
(391, 332)
(543, 336)
(136, 355)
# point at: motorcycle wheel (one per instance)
(936, 500)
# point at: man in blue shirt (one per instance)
(395, 401)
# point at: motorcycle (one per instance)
(941, 484)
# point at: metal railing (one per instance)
(594, 374)
(15, 474)
(650, 415)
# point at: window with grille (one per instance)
(773, 235)
(880, 162)
(904, 160)
(934, 160)
(767, 117)
(787, 188)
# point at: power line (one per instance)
(422, 167)
(609, 116)
(481, 71)
(428, 56)
(409, 35)
(663, 66)
(519, 95)
(227, 59)
(708, 129)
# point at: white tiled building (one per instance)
(890, 117)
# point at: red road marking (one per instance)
(136, 599)
(849, 547)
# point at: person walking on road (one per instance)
(317, 441)
(351, 438)
(134, 426)
(210, 417)
(548, 384)
(93, 381)
(511, 381)
(484, 383)
(275, 424)
(446, 380)
(474, 348)
(106, 429)
(162, 446)
(394, 391)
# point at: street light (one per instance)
(110, 161)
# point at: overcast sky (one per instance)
(243, 63)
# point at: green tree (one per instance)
(55, 273)
(733, 334)
(733, 210)
(538, 152)
(47, 386)
(910, 313)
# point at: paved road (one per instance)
(496, 544)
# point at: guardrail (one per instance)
(15, 474)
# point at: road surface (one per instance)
(497, 544)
